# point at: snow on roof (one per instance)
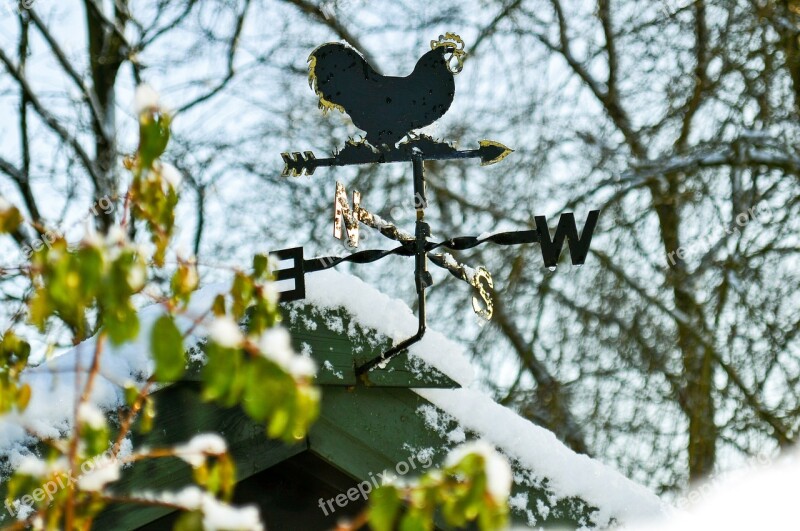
(373, 309)
(538, 450)
(532, 447)
(50, 412)
(51, 409)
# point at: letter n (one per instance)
(578, 247)
(342, 212)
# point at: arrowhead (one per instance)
(492, 152)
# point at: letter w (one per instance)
(342, 211)
(578, 247)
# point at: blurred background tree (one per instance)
(671, 354)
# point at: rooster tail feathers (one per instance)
(326, 73)
(324, 103)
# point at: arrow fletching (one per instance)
(297, 164)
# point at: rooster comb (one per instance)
(457, 43)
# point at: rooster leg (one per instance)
(380, 143)
(365, 142)
(362, 141)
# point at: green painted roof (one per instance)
(378, 423)
(364, 429)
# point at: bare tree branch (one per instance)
(51, 121)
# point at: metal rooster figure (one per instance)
(389, 110)
(386, 108)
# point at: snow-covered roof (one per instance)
(539, 459)
(390, 317)
(529, 446)
(535, 449)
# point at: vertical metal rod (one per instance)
(423, 230)
(421, 275)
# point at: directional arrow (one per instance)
(305, 163)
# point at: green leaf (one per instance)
(154, 137)
(10, 220)
(131, 394)
(148, 415)
(23, 397)
(260, 263)
(184, 281)
(219, 306)
(218, 370)
(278, 423)
(166, 343)
(241, 293)
(189, 521)
(227, 475)
(95, 440)
(416, 520)
(121, 323)
(384, 508)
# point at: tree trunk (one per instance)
(107, 52)
(696, 399)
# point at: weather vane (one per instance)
(389, 110)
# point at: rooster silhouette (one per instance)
(386, 108)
